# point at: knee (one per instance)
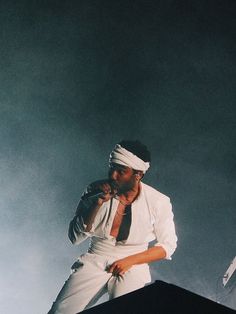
(120, 285)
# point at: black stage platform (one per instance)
(160, 298)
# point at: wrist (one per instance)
(130, 260)
(87, 202)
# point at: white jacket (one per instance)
(152, 218)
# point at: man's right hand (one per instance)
(104, 186)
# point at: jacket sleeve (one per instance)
(76, 232)
(164, 226)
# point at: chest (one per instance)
(117, 221)
(141, 222)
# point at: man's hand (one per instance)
(120, 266)
(152, 254)
(104, 186)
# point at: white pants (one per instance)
(90, 280)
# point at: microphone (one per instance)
(91, 195)
(97, 193)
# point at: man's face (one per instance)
(123, 177)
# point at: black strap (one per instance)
(125, 224)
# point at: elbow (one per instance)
(76, 232)
(77, 239)
(169, 249)
(73, 234)
(72, 238)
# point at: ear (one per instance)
(139, 175)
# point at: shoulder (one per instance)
(154, 194)
(159, 203)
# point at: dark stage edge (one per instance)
(160, 298)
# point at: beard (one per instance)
(125, 186)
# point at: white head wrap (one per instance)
(122, 156)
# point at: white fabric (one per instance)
(109, 247)
(152, 218)
(90, 280)
(124, 157)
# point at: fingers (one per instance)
(104, 188)
(102, 185)
(111, 268)
(107, 192)
(115, 269)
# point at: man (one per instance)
(121, 215)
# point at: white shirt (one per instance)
(152, 219)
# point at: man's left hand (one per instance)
(119, 267)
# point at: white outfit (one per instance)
(152, 218)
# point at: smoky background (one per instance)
(76, 77)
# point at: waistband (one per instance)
(109, 247)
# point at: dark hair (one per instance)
(137, 148)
